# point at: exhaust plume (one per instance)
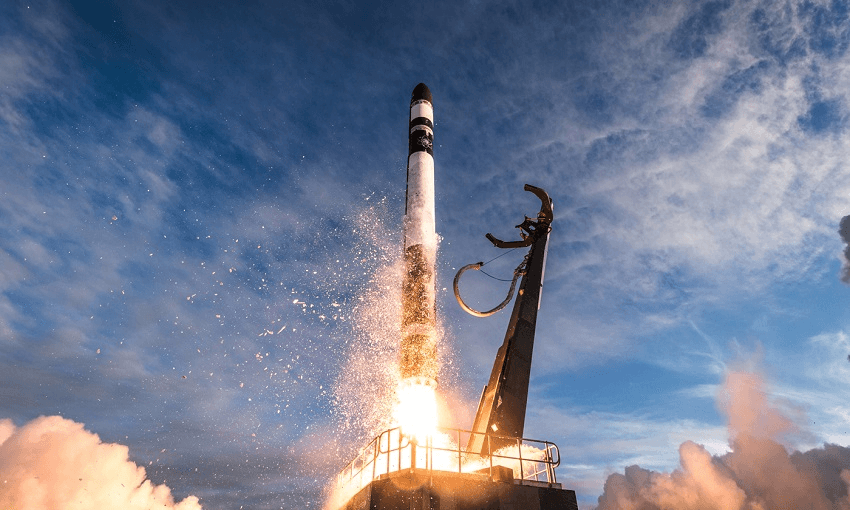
(758, 474)
(52, 463)
(844, 232)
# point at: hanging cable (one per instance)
(530, 230)
(519, 271)
(485, 273)
(497, 256)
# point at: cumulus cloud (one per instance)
(53, 463)
(758, 474)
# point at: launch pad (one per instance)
(395, 472)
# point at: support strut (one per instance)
(501, 411)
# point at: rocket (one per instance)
(418, 349)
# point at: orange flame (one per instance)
(416, 408)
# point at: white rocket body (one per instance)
(419, 336)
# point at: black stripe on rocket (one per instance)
(421, 136)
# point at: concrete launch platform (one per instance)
(421, 489)
(395, 472)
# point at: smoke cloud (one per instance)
(844, 232)
(52, 463)
(758, 474)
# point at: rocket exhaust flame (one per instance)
(416, 409)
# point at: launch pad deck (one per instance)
(423, 489)
(395, 472)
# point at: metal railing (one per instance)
(392, 451)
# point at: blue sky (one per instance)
(195, 197)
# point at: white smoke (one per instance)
(758, 474)
(53, 463)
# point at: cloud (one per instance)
(710, 169)
(31, 65)
(53, 463)
(758, 473)
(140, 272)
(680, 184)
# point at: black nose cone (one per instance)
(421, 92)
